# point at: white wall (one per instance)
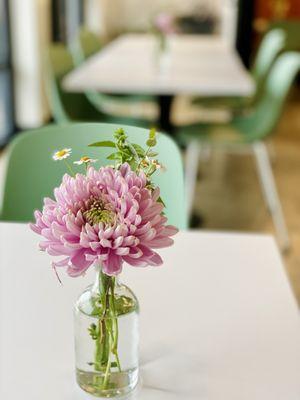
(228, 20)
(121, 15)
(93, 16)
(137, 14)
(30, 34)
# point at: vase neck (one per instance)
(103, 281)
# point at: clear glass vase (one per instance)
(162, 57)
(106, 338)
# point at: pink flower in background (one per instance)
(107, 217)
(165, 23)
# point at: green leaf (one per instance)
(124, 305)
(133, 164)
(151, 142)
(151, 170)
(113, 364)
(126, 152)
(104, 143)
(152, 133)
(93, 331)
(152, 154)
(160, 200)
(132, 151)
(140, 151)
(115, 156)
(119, 132)
(120, 135)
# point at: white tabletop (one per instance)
(218, 321)
(203, 65)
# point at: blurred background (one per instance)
(41, 41)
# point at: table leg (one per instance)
(165, 105)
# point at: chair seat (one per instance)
(81, 110)
(128, 98)
(99, 99)
(234, 103)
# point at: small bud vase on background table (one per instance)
(163, 26)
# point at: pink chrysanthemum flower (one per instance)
(107, 217)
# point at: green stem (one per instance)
(107, 373)
(107, 335)
(118, 361)
(115, 326)
(69, 167)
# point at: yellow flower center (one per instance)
(85, 159)
(61, 153)
(97, 212)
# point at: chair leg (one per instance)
(270, 193)
(205, 153)
(191, 168)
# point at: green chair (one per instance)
(272, 44)
(249, 130)
(31, 174)
(68, 107)
(86, 44)
(291, 29)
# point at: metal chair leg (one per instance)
(270, 193)
(191, 167)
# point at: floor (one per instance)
(233, 179)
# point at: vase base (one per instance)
(117, 384)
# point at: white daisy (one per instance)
(62, 154)
(158, 165)
(85, 160)
(145, 162)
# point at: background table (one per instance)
(197, 65)
(218, 321)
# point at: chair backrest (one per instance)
(31, 174)
(66, 106)
(85, 45)
(58, 64)
(271, 45)
(292, 30)
(263, 119)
